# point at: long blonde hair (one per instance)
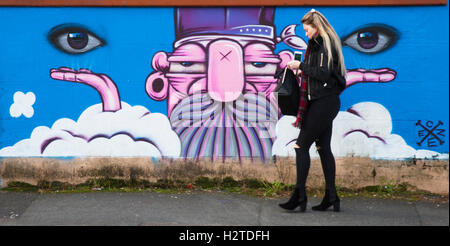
(315, 19)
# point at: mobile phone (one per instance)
(298, 55)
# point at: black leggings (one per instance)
(318, 127)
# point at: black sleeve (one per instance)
(319, 71)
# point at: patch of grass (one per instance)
(54, 185)
(386, 190)
(162, 184)
(111, 183)
(20, 187)
(229, 182)
(207, 183)
(390, 190)
(253, 183)
(237, 190)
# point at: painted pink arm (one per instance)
(105, 87)
(356, 76)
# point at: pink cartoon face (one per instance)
(219, 97)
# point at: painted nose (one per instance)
(225, 70)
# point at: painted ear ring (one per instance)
(157, 86)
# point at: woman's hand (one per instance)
(294, 64)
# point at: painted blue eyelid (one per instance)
(66, 25)
(72, 27)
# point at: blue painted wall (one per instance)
(420, 58)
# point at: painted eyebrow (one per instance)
(190, 53)
(178, 58)
(268, 58)
(257, 53)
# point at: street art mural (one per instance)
(198, 82)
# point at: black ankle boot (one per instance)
(298, 198)
(327, 202)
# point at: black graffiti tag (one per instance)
(430, 136)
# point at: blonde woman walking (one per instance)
(322, 73)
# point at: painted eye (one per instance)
(186, 64)
(74, 39)
(260, 68)
(372, 39)
(259, 64)
(187, 67)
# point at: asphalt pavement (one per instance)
(201, 208)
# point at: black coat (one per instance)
(322, 81)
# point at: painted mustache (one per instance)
(241, 128)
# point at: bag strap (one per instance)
(284, 75)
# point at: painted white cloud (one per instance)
(23, 104)
(363, 131)
(131, 131)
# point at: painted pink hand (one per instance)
(105, 87)
(383, 75)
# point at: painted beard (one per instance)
(241, 128)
